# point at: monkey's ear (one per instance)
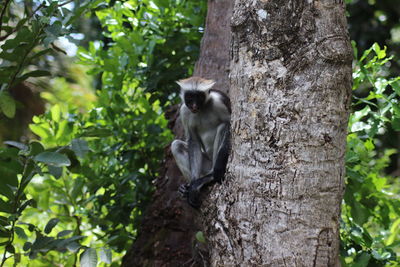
(184, 84)
(179, 83)
(205, 85)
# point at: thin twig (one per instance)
(21, 64)
(65, 3)
(58, 49)
(3, 11)
(17, 28)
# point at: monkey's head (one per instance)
(195, 92)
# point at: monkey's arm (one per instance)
(222, 148)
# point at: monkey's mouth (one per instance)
(194, 110)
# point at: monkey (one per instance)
(205, 114)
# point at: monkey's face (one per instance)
(195, 100)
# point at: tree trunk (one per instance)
(290, 93)
(167, 233)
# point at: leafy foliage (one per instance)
(77, 194)
(370, 230)
(28, 33)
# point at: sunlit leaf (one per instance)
(89, 258)
(50, 225)
(106, 255)
(53, 158)
(20, 232)
(80, 147)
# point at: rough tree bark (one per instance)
(167, 233)
(290, 93)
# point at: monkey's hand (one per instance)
(183, 190)
(191, 194)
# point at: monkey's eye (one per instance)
(189, 99)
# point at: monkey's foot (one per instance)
(191, 196)
(184, 190)
(193, 199)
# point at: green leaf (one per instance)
(200, 237)
(55, 112)
(106, 255)
(359, 212)
(380, 53)
(7, 104)
(64, 233)
(65, 242)
(396, 86)
(73, 247)
(89, 258)
(50, 225)
(41, 242)
(369, 145)
(96, 132)
(77, 189)
(80, 147)
(40, 130)
(54, 29)
(35, 147)
(55, 171)
(20, 233)
(53, 158)
(10, 248)
(5, 234)
(18, 145)
(362, 260)
(396, 124)
(381, 256)
(3, 221)
(5, 206)
(27, 246)
(8, 177)
(394, 232)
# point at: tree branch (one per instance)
(17, 28)
(65, 3)
(3, 11)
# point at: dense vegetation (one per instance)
(74, 187)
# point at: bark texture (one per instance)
(214, 57)
(167, 233)
(290, 93)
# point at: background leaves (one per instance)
(77, 195)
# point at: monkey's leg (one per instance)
(191, 191)
(179, 150)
